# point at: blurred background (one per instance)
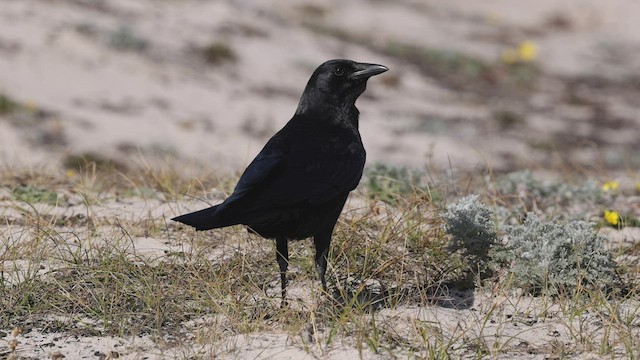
(552, 86)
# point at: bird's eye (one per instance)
(338, 71)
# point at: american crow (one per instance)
(297, 185)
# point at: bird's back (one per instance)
(320, 163)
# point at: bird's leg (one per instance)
(322, 242)
(282, 255)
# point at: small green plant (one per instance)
(7, 105)
(32, 195)
(218, 53)
(523, 183)
(473, 233)
(311, 10)
(553, 258)
(388, 183)
(124, 38)
(508, 119)
(93, 160)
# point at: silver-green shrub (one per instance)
(471, 226)
(524, 184)
(473, 233)
(523, 193)
(551, 258)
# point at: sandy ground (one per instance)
(512, 325)
(127, 80)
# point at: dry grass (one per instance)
(104, 260)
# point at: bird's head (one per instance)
(338, 83)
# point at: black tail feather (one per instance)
(204, 219)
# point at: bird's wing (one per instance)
(342, 177)
(294, 174)
(302, 180)
(274, 180)
(256, 172)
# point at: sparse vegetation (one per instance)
(89, 272)
(91, 160)
(521, 193)
(389, 183)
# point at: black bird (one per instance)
(297, 185)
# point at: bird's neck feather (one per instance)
(341, 112)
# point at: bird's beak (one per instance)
(368, 70)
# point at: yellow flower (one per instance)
(638, 187)
(527, 51)
(610, 186)
(612, 217)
